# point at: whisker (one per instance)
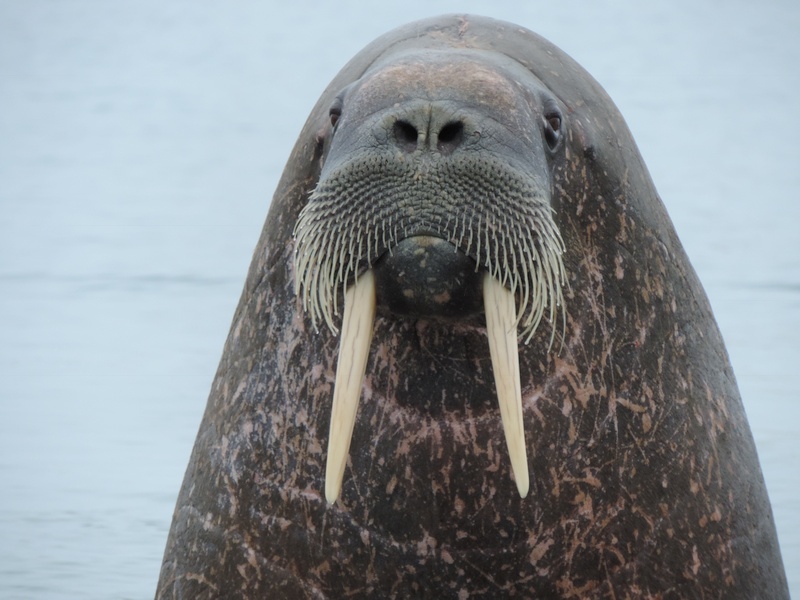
(488, 210)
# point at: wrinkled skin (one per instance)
(644, 476)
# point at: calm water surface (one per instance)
(140, 144)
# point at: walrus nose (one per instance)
(433, 130)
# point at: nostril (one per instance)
(406, 135)
(450, 137)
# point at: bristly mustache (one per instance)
(484, 208)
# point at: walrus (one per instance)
(471, 358)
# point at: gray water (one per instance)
(140, 143)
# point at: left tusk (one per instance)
(501, 319)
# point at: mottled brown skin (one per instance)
(644, 478)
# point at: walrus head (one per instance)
(434, 201)
(458, 177)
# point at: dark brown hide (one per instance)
(644, 477)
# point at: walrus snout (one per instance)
(425, 276)
(433, 200)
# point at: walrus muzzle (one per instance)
(484, 208)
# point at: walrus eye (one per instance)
(334, 114)
(552, 129)
(335, 110)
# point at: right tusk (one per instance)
(359, 315)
